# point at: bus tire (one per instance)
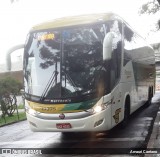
(150, 95)
(126, 113)
(67, 134)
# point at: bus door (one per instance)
(117, 104)
(115, 73)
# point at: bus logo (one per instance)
(6, 151)
(61, 116)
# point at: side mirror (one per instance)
(8, 55)
(107, 46)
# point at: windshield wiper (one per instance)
(52, 80)
(71, 82)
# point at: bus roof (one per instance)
(75, 20)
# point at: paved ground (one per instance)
(20, 136)
(154, 142)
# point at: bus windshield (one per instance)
(65, 63)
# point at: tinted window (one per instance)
(116, 27)
(66, 63)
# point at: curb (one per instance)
(19, 111)
(13, 122)
(155, 132)
(153, 141)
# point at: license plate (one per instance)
(63, 126)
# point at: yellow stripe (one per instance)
(50, 108)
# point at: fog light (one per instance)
(98, 123)
(33, 124)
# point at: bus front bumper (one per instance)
(97, 122)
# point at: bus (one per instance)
(86, 73)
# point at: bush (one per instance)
(9, 88)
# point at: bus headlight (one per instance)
(32, 112)
(97, 109)
(99, 106)
(29, 110)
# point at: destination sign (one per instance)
(49, 36)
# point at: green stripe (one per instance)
(80, 106)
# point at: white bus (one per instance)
(86, 73)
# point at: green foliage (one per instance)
(12, 119)
(151, 7)
(9, 86)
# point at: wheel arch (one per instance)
(127, 100)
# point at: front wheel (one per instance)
(126, 114)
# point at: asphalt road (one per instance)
(136, 135)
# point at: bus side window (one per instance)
(128, 44)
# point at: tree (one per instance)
(9, 88)
(151, 7)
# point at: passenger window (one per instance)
(128, 35)
(132, 42)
